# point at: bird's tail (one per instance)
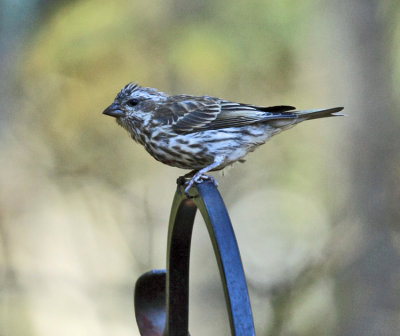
(319, 113)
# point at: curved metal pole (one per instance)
(226, 250)
(207, 199)
(178, 257)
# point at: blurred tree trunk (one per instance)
(367, 287)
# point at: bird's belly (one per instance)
(184, 151)
(235, 143)
(198, 150)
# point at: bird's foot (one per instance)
(199, 178)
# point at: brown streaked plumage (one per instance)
(201, 133)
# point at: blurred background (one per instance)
(84, 210)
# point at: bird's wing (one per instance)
(237, 114)
(189, 114)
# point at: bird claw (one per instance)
(199, 178)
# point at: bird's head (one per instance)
(133, 102)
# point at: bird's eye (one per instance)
(132, 102)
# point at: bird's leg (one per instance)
(200, 176)
(200, 179)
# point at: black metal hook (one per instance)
(162, 297)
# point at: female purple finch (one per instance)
(201, 133)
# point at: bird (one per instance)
(201, 133)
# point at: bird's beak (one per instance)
(114, 110)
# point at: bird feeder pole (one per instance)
(162, 296)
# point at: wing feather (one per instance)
(189, 114)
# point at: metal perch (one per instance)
(162, 296)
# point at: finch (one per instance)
(201, 133)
